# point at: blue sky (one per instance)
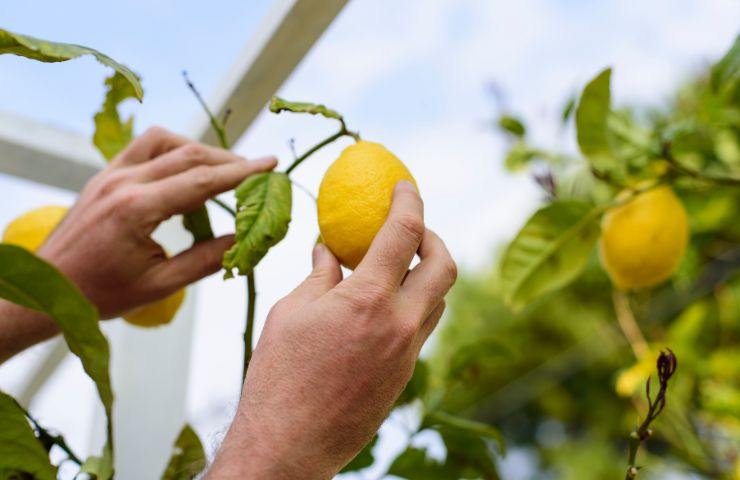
(411, 74)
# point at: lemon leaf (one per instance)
(511, 125)
(29, 281)
(439, 420)
(278, 105)
(46, 51)
(727, 71)
(111, 133)
(550, 251)
(188, 458)
(414, 464)
(20, 449)
(592, 128)
(198, 224)
(263, 203)
(101, 468)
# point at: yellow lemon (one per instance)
(157, 313)
(31, 229)
(643, 241)
(355, 197)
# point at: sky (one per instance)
(414, 75)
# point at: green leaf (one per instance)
(591, 124)
(100, 468)
(278, 105)
(263, 203)
(20, 449)
(188, 458)
(438, 419)
(111, 133)
(199, 224)
(413, 464)
(549, 251)
(519, 156)
(568, 109)
(417, 385)
(31, 282)
(511, 125)
(468, 452)
(727, 70)
(45, 51)
(363, 459)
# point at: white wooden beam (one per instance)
(289, 31)
(46, 154)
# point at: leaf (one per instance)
(413, 464)
(417, 384)
(591, 124)
(438, 419)
(188, 458)
(549, 251)
(519, 156)
(263, 203)
(100, 468)
(20, 449)
(363, 459)
(511, 125)
(468, 453)
(31, 282)
(727, 70)
(199, 224)
(45, 51)
(278, 105)
(568, 109)
(111, 133)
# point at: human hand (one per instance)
(335, 354)
(104, 244)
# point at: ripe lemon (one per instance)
(643, 241)
(31, 229)
(355, 197)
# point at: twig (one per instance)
(49, 440)
(341, 133)
(249, 330)
(678, 167)
(628, 324)
(666, 364)
(217, 125)
(224, 206)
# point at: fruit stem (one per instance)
(628, 324)
(249, 329)
(224, 206)
(343, 132)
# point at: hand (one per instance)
(335, 354)
(104, 244)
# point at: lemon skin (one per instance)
(30, 231)
(643, 241)
(355, 197)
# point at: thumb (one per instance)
(200, 260)
(326, 274)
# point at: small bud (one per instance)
(632, 472)
(667, 364)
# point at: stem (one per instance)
(668, 156)
(248, 331)
(217, 125)
(48, 439)
(628, 324)
(224, 206)
(343, 132)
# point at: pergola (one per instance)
(151, 367)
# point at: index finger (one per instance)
(395, 245)
(186, 191)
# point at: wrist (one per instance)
(21, 328)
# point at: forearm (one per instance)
(21, 328)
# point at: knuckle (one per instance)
(155, 132)
(368, 298)
(410, 226)
(108, 181)
(125, 202)
(451, 269)
(203, 177)
(405, 331)
(194, 151)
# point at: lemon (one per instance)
(157, 313)
(355, 197)
(31, 229)
(643, 241)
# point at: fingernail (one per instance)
(406, 185)
(267, 162)
(318, 250)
